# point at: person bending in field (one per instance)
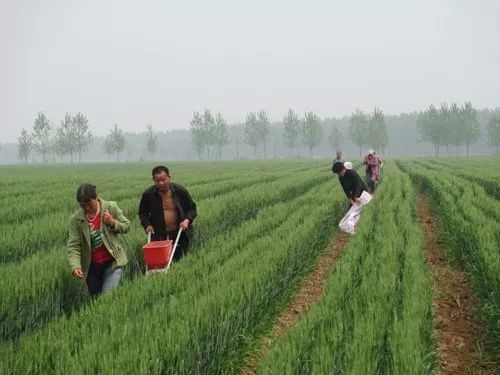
(353, 187)
(351, 182)
(165, 208)
(95, 249)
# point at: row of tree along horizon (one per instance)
(448, 125)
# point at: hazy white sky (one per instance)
(134, 62)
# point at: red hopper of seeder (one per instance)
(157, 254)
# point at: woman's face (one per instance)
(89, 206)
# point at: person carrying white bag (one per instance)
(356, 191)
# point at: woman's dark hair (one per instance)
(338, 167)
(159, 169)
(86, 192)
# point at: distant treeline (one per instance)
(448, 130)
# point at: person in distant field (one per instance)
(166, 207)
(351, 182)
(95, 249)
(338, 157)
(380, 166)
(371, 163)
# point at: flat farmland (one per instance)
(262, 230)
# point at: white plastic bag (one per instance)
(365, 198)
(351, 218)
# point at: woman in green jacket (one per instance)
(95, 249)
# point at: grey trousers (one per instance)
(102, 278)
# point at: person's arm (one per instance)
(144, 211)
(74, 246)
(121, 223)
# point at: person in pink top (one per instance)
(372, 163)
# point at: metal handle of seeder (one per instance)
(173, 250)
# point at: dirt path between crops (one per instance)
(455, 326)
(309, 292)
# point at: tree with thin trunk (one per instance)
(196, 133)
(252, 131)
(470, 126)
(377, 136)
(151, 141)
(335, 138)
(493, 130)
(237, 134)
(446, 126)
(312, 131)
(452, 120)
(208, 130)
(263, 125)
(291, 130)
(108, 147)
(221, 133)
(358, 126)
(66, 136)
(117, 141)
(41, 135)
(24, 146)
(430, 127)
(60, 144)
(53, 150)
(81, 134)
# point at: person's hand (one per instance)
(78, 273)
(149, 229)
(184, 225)
(108, 218)
(353, 201)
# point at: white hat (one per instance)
(348, 165)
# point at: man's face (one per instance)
(342, 173)
(161, 180)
